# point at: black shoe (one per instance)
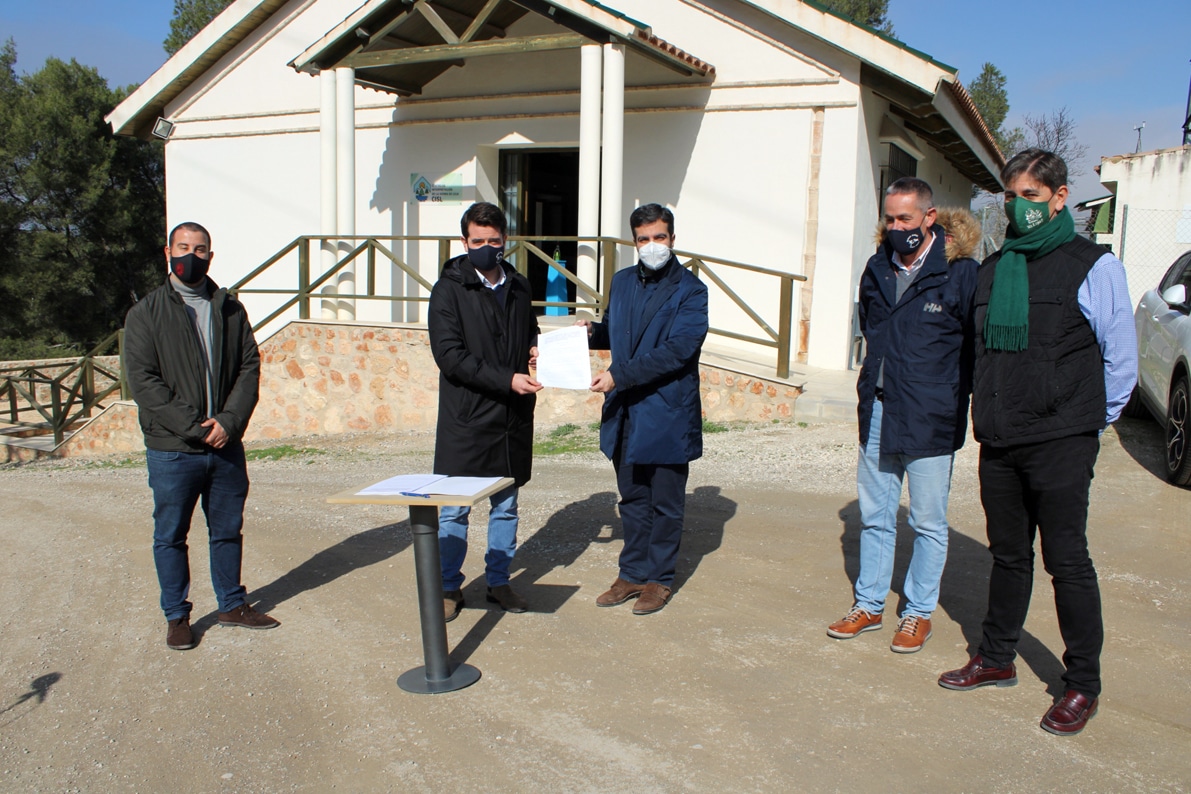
(508, 599)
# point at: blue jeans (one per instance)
(879, 486)
(219, 477)
(502, 540)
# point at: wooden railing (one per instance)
(39, 399)
(776, 332)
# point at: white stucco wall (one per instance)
(732, 158)
(1156, 188)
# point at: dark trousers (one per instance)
(652, 505)
(218, 478)
(1042, 489)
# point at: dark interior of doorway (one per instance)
(540, 196)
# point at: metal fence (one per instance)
(1150, 242)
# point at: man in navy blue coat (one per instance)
(916, 311)
(652, 424)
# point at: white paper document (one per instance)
(563, 361)
(428, 485)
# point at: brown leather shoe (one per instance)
(620, 592)
(653, 597)
(976, 673)
(509, 599)
(855, 622)
(912, 634)
(452, 602)
(246, 617)
(1070, 715)
(178, 635)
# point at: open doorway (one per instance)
(539, 191)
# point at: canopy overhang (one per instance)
(400, 46)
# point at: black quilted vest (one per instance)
(1055, 387)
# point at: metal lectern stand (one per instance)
(436, 675)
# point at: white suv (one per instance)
(1164, 363)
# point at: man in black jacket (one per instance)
(193, 367)
(483, 334)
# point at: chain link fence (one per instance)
(1150, 241)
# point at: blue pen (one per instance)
(411, 493)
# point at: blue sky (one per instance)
(1112, 64)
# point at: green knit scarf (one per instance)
(1007, 325)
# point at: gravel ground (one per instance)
(733, 687)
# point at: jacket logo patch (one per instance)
(932, 307)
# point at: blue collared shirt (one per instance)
(1104, 300)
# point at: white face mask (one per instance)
(654, 255)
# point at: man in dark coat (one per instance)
(652, 420)
(483, 334)
(916, 309)
(193, 368)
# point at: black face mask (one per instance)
(190, 269)
(906, 241)
(486, 258)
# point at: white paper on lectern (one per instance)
(428, 484)
(563, 360)
(460, 486)
(402, 483)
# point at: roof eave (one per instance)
(136, 114)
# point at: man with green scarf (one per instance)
(1056, 360)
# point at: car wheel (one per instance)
(1135, 408)
(1178, 451)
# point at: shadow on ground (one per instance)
(357, 551)
(963, 592)
(1145, 441)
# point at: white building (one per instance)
(769, 129)
(1147, 223)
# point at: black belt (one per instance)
(880, 395)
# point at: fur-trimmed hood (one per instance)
(962, 228)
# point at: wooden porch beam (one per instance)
(436, 22)
(475, 49)
(480, 20)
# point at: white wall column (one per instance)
(345, 162)
(327, 189)
(591, 65)
(612, 163)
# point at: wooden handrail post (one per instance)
(56, 412)
(125, 391)
(444, 252)
(88, 385)
(304, 279)
(608, 270)
(785, 327)
(371, 267)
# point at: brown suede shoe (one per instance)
(976, 673)
(912, 634)
(620, 592)
(857, 621)
(178, 635)
(652, 599)
(246, 617)
(509, 599)
(1070, 714)
(452, 602)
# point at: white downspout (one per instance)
(345, 79)
(591, 64)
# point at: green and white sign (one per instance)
(447, 189)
